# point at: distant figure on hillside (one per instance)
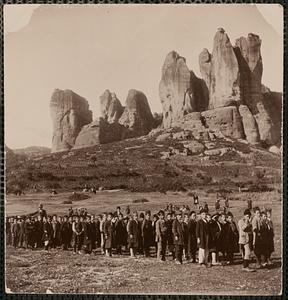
(217, 205)
(196, 199)
(53, 192)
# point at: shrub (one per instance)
(67, 202)
(78, 197)
(141, 200)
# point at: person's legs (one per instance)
(159, 250)
(201, 257)
(163, 250)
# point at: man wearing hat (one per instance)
(245, 239)
(42, 212)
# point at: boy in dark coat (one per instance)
(120, 233)
(177, 230)
(87, 235)
(170, 240)
(30, 233)
(223, 237)
(192, 240)
(39, 231)
(161, 236)
(133, 234)
(233, 238)
(108, 234)
(185, 235)
(147, 233)
(202, 234)
(65, 233)
(47, 232)
(214, 227)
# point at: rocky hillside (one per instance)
(229, 100)
(33, 151)
(166, 159)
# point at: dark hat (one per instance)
(178, 212)
(247, 212)
(202, 210)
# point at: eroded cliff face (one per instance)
(69, 113)
(180, 90)
(111, 107)
(73, 126)
(137, 118)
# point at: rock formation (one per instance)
(111, 107)
(98, 132)
(251, 68)
(220, 72)
(180, 91)
(137, 117)
(69, 113)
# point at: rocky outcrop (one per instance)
(180, 91)
(111, 107)
(98, 132)
(137, 117)
(225, 119)
(69, 113)
(224, 72)
(251, 69)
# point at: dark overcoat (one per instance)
(147, 233)
(202, 232)
(178, 232)
(134, 233)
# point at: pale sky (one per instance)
(90, 48)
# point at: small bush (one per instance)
(78, 197)
(141, 200)
(67, 202)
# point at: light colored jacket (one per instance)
(245, 232)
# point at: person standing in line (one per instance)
(185, 235)
(245, 239)
(102, 224)
(65, 233)
(39, 231)
(202, 234)
(154, 221)
(214, 228)
(30, 233)
(257, 237)
(47, 232)
(223, 237)
(78, 230)
(177, 229)
(233, 238)
(192, 240)
(170, 241)
(161, 236)
(55, 226)
(120, 234)
(8, 230)
(133, 234)
(140, 248)
(108, 233)
(270, 244)
(147, 233)
(15, 230)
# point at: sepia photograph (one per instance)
(143, 149)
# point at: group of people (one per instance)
(179, 234)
